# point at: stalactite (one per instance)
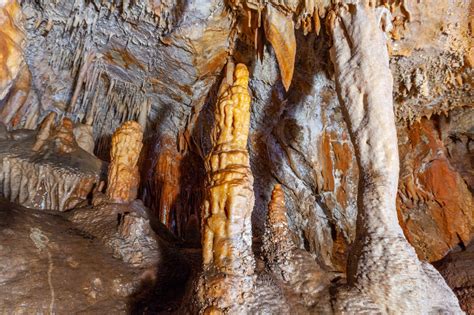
(280, 32)
(384, 273)
(228, 276)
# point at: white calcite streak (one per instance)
(384, 273)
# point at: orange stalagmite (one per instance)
(278, 223)
(229, 264)
(123, 176)
(229, 201)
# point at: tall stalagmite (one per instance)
(227, 237)
(123, 176)
(385, 274)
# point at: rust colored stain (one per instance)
(123, 59)
(435, 206)
(327, 165)
(167, 175)
(172, 186)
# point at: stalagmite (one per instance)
(296, 267)
(228, 275)
(385, 274)
(46, 169)
(64, 139)
(123, 176)
(84, 137)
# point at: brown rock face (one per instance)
(457, 269)
(435, 205)
(46, 169)
(123, 176)
(45, 261)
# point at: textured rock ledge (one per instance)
(45, 179)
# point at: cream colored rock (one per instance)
(385, 275)
(123, 176)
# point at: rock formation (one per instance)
(46, 169)
(324, 131)
(456, 268)
(384, 273)
(11, 42)
(228, 275)
(84, 137)
(123, 228)
(295, 267)
(123, 176)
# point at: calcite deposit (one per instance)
(123, 175)
(384, 273)
(228, 274)
(294, 266)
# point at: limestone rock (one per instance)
(434, 203)
(295, 267)
(84, 137)
(280, 32)
(123, 228)
(384, 272)
(456, 268)
(11, 42)
(58, 176)
(45, 260)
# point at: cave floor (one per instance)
(48, 266)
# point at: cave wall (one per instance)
(158, 63)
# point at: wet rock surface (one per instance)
(99, 63)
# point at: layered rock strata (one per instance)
(384, 273)
(228, 275)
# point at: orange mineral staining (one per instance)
(227, 280)
(229, 201)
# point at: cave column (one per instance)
(364, 84)
(384, 269)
